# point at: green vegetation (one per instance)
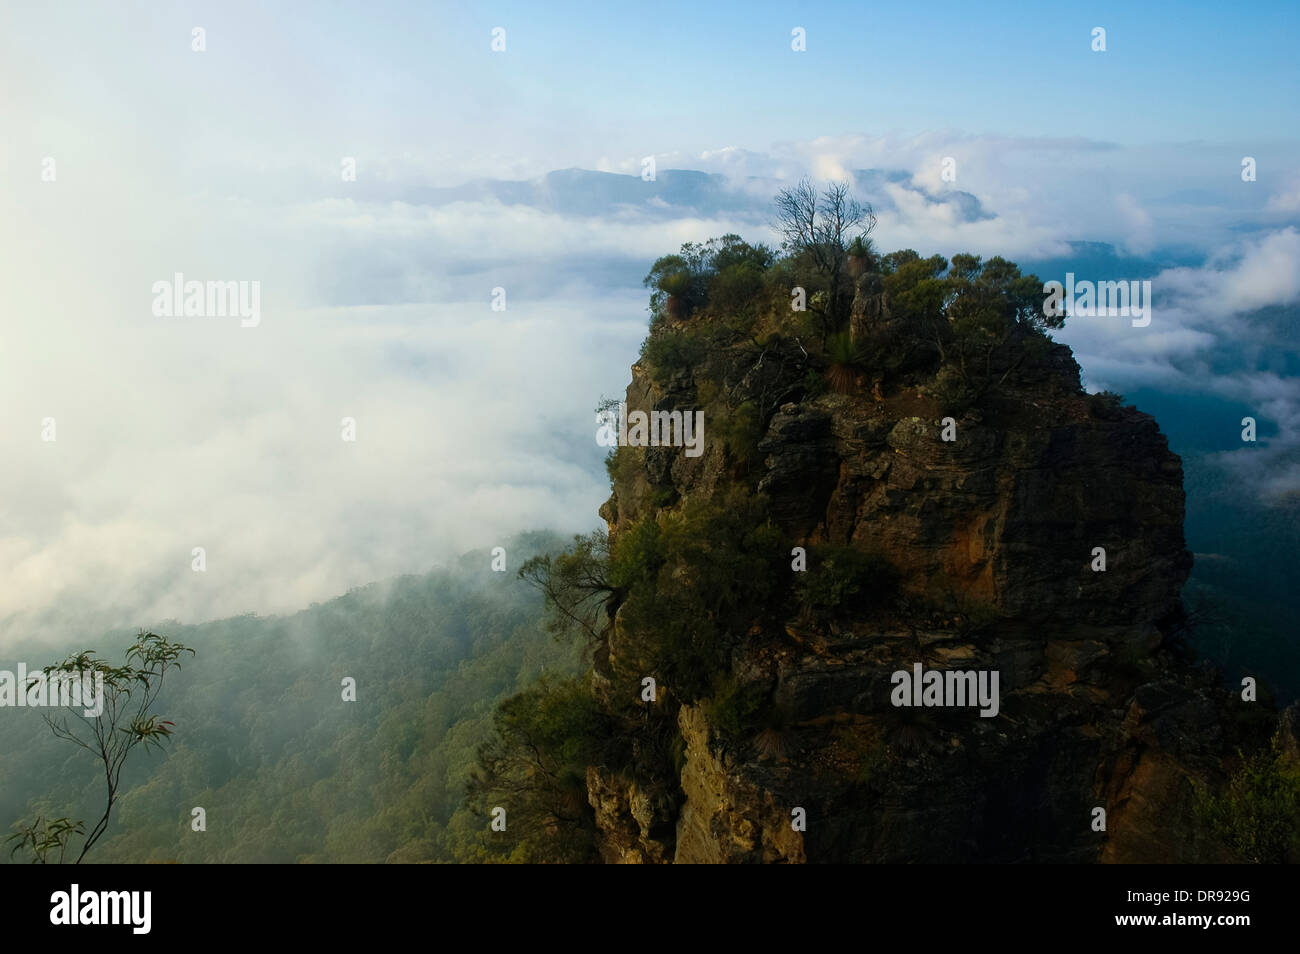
(1258, 814)
(982, 320)
(623, 463)
(846, 361)
(575, 585)
(951, 390)
(822, 232)
(874, 766)
(956, 329)
(673, 352)
(915, 287)
(689, 585)
(1106, 405)
(286, 770)
(693, 580)
(725, 273)
(735, 707)
(862, 253)
(843, 581)
(720, 285)
(536, 764)
(125, 696)
(741, 429)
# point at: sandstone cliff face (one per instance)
(993, 534)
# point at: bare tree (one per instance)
(822, 227)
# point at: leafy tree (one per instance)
(997, 320)
(917, 293)
(981, 320)
(44, 836)
(678, 287)
(735, 288)
(535, 768)
(725, 272)
(730, 251)
(576, 585)
(893, 261)
(129, 693)
(696, 580)
(1107, 405)
(669, 351)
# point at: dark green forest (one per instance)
(285, 769)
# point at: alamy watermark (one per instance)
(1123, 299)
(54, 689)
(947, 688)
(75, 906)
(194, 299)
(619, 428)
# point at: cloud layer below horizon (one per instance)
(473, 424)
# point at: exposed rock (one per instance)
(629, 819)
(995, 538)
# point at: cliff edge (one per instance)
(1030, 531)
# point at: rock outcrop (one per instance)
(996, 536)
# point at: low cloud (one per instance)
(1209, 328)
(471, 424)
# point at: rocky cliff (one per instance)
(994, 519)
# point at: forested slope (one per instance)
(285, 769)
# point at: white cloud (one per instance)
(472, 424)
(1200, 339)
(1287, 200)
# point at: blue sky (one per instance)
(579, 81)
(696, 72)
(225, 165)
(1016, 69)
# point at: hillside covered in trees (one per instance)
(284, 768)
